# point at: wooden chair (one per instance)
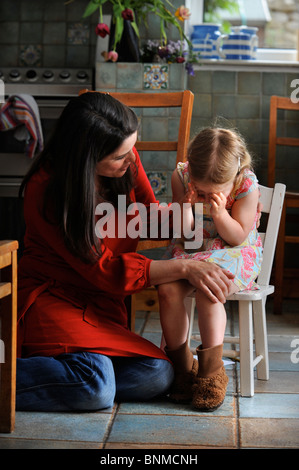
(291, 198)
(252, 312)
(8, 316)
(148, 300)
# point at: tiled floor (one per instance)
(270, 419)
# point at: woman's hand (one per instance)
(212, 280)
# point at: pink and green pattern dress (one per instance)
(244, 261)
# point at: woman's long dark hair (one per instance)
(90, 127)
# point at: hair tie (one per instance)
(239, 164)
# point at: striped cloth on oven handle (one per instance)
(23, 110)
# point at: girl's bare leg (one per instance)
(211, 319)
(173, 315)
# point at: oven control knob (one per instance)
(31, 75)
(48, 75)
(14, 75)
(65, 75)
(82, 76)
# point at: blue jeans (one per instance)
(87, 381)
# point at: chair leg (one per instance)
(261, 340)
(190, 308)
(246, 349)
(279, 265)
(8, 368)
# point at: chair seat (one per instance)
(252, 339)
(253, 295)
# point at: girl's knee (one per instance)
(169, 292)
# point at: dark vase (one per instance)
(127, 48)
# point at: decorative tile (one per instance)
(78, 33)
(30, 55)
(155, 76)
(158, 182)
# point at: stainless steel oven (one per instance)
(51, 89)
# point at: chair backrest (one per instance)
(276, 103)
(181, 99)
(272, 200)
(184, 101)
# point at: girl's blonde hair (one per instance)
(217, 155)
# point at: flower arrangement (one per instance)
(130, 9)
(171, 52)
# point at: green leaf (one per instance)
(90, 9)
(135, 27)
(119, 27)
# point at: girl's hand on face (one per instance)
(218, 204)
(191, 195)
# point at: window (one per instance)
(277, 22)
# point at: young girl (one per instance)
(218, 174)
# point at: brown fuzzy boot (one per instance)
(209, 387)
(185, 370)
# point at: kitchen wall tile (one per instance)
(77, 56)
(154, 129)
(31, 10)
(273, 83)
(54, 33)
(224, 105)
(55, 10)
(54, 55)
(78, 33)
(105, 76)
(248, 106)
(129, 76)
(9, 11)
(30, 55)
(201, 82)
(31, 32)
(155, 76)
(249, 83)
(9, 32)
(10, 55)
(202, 106)
(224, 82)
(177, 77)
(156, 160)
(158, 180)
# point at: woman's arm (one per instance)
(235, 227)
(208, 277)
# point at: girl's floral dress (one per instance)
(244, 261)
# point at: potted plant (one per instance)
(126, 15)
